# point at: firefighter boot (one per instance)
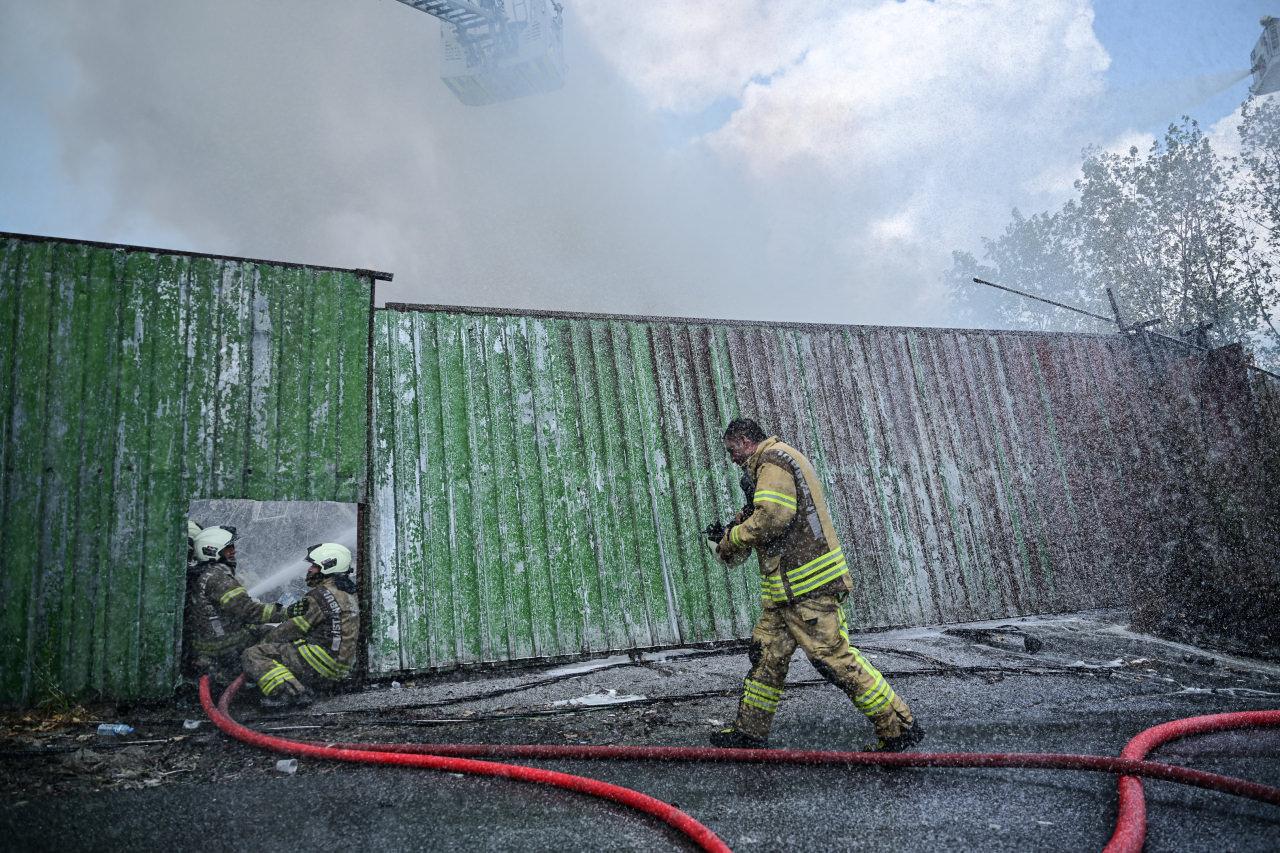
(299, 698)
(732, 738)
(896, 734)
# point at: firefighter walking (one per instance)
(804, 580)
(220, 617)
(315, 646)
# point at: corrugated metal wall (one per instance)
(522, 500)
(1212, 539)
(540, 482)
(132, 382)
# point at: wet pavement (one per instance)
(1081, 684)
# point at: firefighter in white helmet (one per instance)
(315, 646)
(220, 617)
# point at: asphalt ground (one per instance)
(1088, 686)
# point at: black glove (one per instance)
(297, 608)
(714, 532)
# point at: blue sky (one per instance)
(1152, 43)
(658, 168)
(1160, 41)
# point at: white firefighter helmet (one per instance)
(332, 558)
(211, 542)
(193, 529)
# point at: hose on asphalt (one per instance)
(700, 835)
(460, 758)
(1131, 821)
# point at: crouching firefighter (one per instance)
(315, 646)
(220, 618)
(804, 582)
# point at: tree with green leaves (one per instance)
(1260, 154)
(1178, 232)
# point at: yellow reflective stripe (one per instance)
(879, 704)
(775, 497)
(762, 688)
(771, 588)
(274, 677)
(231, 593)
(268, 689)
(758, 701)
(269, 685)
(748, 699)
(340, 669)
(799, 572)
(733, 535)
(268, 610)
(806, 578)
(275, 674)
(875, 698)
(323, 654)
(309, 655)
(303, 625)
(322, 662)
(818, 580)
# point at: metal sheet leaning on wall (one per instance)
(133, 381)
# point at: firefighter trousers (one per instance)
(817, 625)
(291, 668)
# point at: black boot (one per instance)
(905, 739)
(731, 738)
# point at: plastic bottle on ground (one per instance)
(114, 729)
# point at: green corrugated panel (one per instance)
(541, 481)
(134, 381)
(567, 472)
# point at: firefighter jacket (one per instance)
(219, 612)
(323, 627)
(790, 529)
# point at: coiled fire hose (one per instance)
(461, 758)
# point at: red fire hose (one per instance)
(459, 758)
(683, 823)
(1131, 822)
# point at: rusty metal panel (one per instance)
(131, 381)
(540, 481)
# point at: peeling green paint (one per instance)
(132, 382)
(575, 460)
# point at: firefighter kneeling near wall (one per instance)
(220, 617)
(314, 647)
(804, 582)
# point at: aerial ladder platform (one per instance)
(497, 50)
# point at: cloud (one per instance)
(683, 56)
(890, 133)
(863, 142)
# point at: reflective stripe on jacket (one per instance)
(219, 610)
(324, 627)
(790, 529)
